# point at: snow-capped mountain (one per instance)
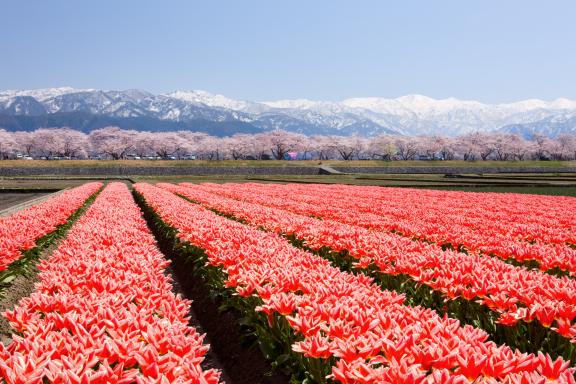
(41, 94)
(217, 114)
(220, 101)
(551, 126)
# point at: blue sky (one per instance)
(493, 51)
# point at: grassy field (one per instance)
(280, 163)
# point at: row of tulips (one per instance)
(344, 324)
(526, 217)
(20, 231)
(103, 311)
(348, 206)
(519, 226)
(514, 293)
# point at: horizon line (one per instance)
(450, 98)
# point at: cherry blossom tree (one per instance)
(382, 147)
(143, 144)
(323, 147)
(113, 142)
(502, 146)
(540, 144)
(260, 149)
(428, 147)
(520, 148)
(570, 141)
(438, 147)
(8, 145)
(476, 145)
(469, 146)
(24, 141)
(448, 148)
(349, 147)
(281, 142)
(69, 142)
(562, 148)
(407, 147)
(43, 143)
(116, 143)
(239, 146)
(307, 147)
(59, 142)
(211, 148)
(168, 144)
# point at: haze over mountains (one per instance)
(88, 109)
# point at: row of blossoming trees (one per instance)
(115, 143)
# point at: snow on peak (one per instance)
(210, 99)
(563, 103)
(293, 104)
(410, 114)
(416, 99)
(535, 104)
(411, 103)
(41, 94)
(526, 105)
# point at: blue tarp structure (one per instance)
(291, 156)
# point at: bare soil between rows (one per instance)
(240, 361)
(211, 360)
(22, 286)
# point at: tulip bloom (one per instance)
(19, 231)
(515, 293)
(103, 310)
(369, 332)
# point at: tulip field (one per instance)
(21, 231)
(332, 283)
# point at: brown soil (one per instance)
(210, 359)
(239, 363)
(22, 286)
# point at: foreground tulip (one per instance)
(103, 310)
(19, 231)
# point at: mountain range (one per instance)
(88, 109)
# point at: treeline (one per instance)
(115, 143)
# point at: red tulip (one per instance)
(371, 334)
(103, 310)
